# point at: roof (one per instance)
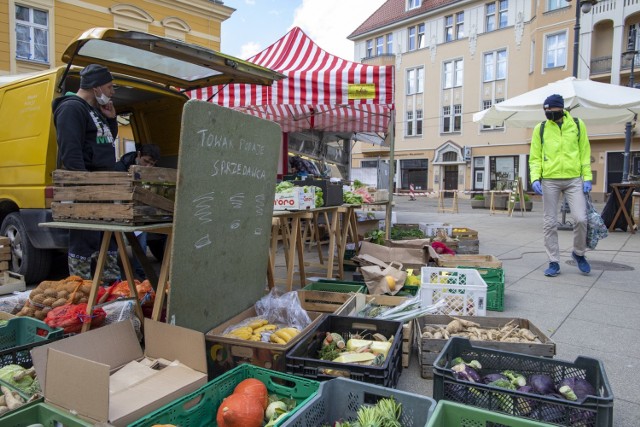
(394, 11)
(321, 91)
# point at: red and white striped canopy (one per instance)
(320, 91)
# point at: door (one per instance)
(383, 175)
(450, 179)
(478, 181)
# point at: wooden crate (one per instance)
(5, 253)
(453, 261)
(429, 349)
(11, 282)
(464, 233)
(468, 247)
(142, 195)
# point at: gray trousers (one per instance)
(552, 190)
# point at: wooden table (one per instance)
(622, 206)
(120, 232)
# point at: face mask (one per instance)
(102, 99)
(554, 115)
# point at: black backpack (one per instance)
(575, 119)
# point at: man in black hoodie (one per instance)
(86, 128)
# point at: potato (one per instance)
(38, 314)
(59, 302)
(50, 292)
(62, 294)
(38, 299)
(83, 300)
(48, 301)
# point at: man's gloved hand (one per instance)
(537, 187)
(586, 186)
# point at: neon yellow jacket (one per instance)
(562, 156)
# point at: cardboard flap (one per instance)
(172, 342)
(78, 384)
(113, 345)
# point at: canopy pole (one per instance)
(392, 173)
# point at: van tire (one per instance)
(33, 263)
(156, 246)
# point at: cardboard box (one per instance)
(225, 353)
(81, 373)
(295, 199)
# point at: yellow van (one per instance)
(150, 74)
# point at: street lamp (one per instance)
(630, 53)
(585, 7)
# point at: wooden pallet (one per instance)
(142, 195)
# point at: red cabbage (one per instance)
(541, 384)
(574, 388)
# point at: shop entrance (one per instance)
(450, 179)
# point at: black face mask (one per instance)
(554, 115)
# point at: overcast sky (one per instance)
(256, 24)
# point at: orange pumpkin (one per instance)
(254, 388)
(240, 410)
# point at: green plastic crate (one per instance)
(408, 291)
(451, 414)
(19, 335)
(199, 408)
(342, 287)
(494, 278)
(44, 414)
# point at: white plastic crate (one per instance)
(431, 229)
(464, 290)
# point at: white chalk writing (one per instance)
(223, 167)
(235, 224)
(237, 200)
(260, 204)
(252, 148)
(202, 242)
(203, 209)
(214, 141)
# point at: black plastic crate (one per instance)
(331, 191)
(301, 359)
(593, 411)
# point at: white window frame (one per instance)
(420, 36)
(389, 42)
(558, 57)
(459, 23)
(451, 115)
(488, 103)
(411, 39)
(379, 45)
(415, 80)
(409, 124)
(494, 65)
(503, 17)
(448, 28)
(369, 48)
(490, 23)
(556, 4)
(453, 73)
(32, 26)
(413, 4)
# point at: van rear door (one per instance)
(166, 61)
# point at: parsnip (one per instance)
(12, 401)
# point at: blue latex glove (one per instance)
(586, 186)
(537, 187)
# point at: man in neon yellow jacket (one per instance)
(560, 162)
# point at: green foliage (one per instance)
(478, 197)
(406, 234)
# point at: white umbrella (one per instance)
(595, 103)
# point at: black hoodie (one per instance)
(85, 136)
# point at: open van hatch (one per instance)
(166, 61)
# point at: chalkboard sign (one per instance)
(222, 222)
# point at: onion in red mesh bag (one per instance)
(71, 317)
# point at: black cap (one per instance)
(94, 75)
(554, 100)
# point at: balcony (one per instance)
(601, 65)
(383, 60)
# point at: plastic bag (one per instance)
(596, 228)
(283, 309)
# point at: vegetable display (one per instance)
(385, 413)
(464, 328)
(251, 405)
(369, 349)
(262, 330)
(21, 379)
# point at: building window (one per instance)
(415, 80)
(556, 4)
(413, 4)
(488, 103)
(421, 39)
(369, 164)
(495, 66)
(503, 170)
(379, 46)
(451, 118)
(369, 49)
(555, 50)
(453, 74)
(448, 28)
(389, 43)
(414, 171)
(495, 21)
(459, 25)
(411, 42)
(32, 34)
(414, 123)
(416, 37)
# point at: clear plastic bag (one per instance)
(283, 309)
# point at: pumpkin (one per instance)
(240, 410)
(254, 388)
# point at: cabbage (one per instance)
(26, 384)
(574, 388)
(541, 384)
